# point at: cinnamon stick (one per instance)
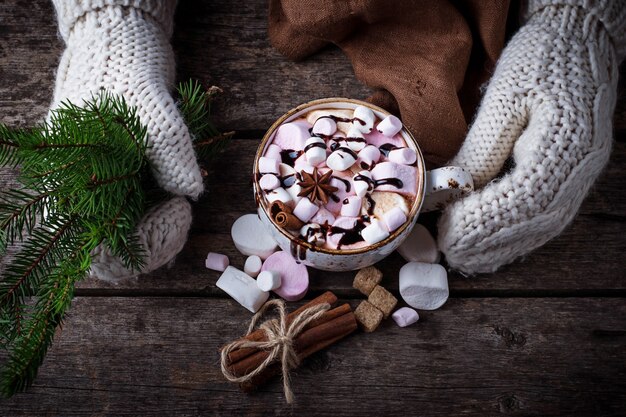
(259, 335)
(303, 353)
(310, 340)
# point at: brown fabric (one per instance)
(425, 59)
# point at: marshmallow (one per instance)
(268, 165)
(293, 192)
(286, 170)
(419, 246)
(302, 165)
(424, 286)
(362, 186)
(394, 218)
(314, 115)
(324, 126)
(294, 276)
(323, 216)
(351, 206)
(405, 156)
(374, 233)
(273, 152)
(368, 156)
(269, 182)
(389, 126)
(216, 261)
(292, 135)
(305, 209)
(385, 201)
(355, 139)
(378, 139)
(312, 233)
(315, 150)
(252, 266)
(280, 194)
(269, 280)
(406, 174)
(341, 223)
(363, 119)
(341, 159)
(405, 316)
(344, 189)
(242, 288)
(251, 237)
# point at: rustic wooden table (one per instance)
(544, 336)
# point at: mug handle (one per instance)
(444, 185)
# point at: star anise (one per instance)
(316, 187)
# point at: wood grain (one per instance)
(485, 356)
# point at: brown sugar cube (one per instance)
(368, 316)
(366, 279)
(383, 300)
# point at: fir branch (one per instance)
(19, 212)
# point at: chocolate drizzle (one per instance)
(386, 148)
(395, 182)
(289, 156)
(345, 182)
(371, 204)
(350, 236)
(348, 151)
(315, 145)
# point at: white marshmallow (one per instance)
(269, 182)
(251, 237)
(314, 115)
(305, 209)
(368, 156)
(242, 288)
(405, 316)
(361, 187)
(302, 165)
(269, 280)
(312, 233)
(374, 233)
(268, 165)
(315, 155)
(394, 218)
(340, 160)
(324, 126)
(216, 261)
(252, 266)
(389, 126)
(419, 246)
(323, 216)
(355, 139)
(280, 194)
(405, 156)
(285, 170)
(424, 286)
(365, 119)
(273, 152)
(351, 206)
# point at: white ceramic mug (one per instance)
(434, 189)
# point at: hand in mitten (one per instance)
(123, 46)
(549, 106)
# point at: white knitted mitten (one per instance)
(549, 106)
(123, 46)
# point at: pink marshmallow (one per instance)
(332, 239)
(343, 185)
(394, 218)
(305, 210)
(377, 139)
(273, 152)
(294, 276)
(268, 165)
(405, 156)
(389, 170)
(216, 261)
(389, 126)
(323, 217)
(351, 206)
(292, 135)
(368, 155)
(269, 182)
(405, 316)
(324, 126)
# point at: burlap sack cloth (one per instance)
(426, 60)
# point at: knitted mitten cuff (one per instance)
(69, 11)
(611, 13)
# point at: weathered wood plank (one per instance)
(156, 356)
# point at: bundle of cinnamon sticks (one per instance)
(332, 326)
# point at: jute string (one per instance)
(279, 343)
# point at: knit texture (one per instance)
(549, 106)
(123, 46)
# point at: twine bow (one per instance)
(279, 343)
